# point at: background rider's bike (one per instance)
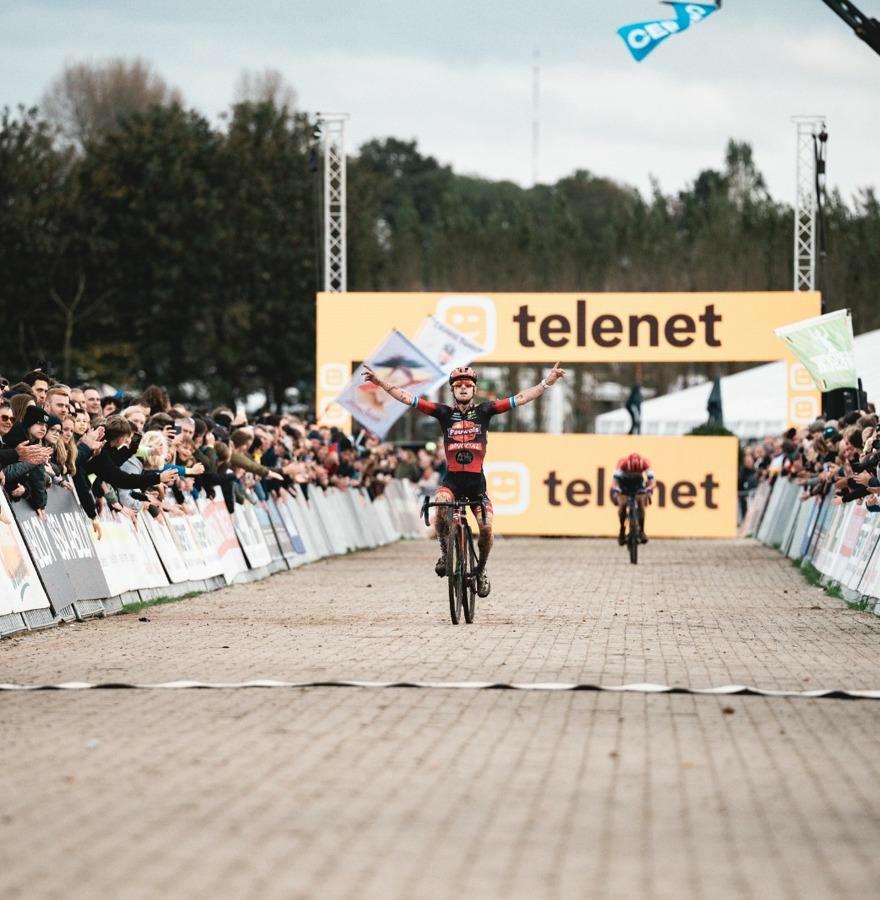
(633, 531)
(461, 558)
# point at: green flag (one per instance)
(825, 346)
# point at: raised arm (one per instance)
(396, 392)
(533, 393)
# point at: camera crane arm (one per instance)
(867, 29)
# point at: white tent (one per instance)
(753, 401)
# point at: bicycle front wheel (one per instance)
(453, 575)
(633, 537)
(469, 576)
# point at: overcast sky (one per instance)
(457, 76)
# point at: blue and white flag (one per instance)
(643, 37)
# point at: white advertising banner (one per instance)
(20, 587)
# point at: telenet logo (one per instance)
(472, 315)
(508, 487)
(334, 376)
(800, 378)
(331, 413)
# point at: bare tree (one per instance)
(87, 99)
(268, 86)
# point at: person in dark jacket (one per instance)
(31, 430)
(23, 452)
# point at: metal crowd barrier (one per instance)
(53, 569)
(841, 541)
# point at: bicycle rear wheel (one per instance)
(633, 536)
(469, 577)
(453, 564)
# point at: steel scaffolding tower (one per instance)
(808, 128)
(332, 130)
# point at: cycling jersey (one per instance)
(633, 482)
(464, 433)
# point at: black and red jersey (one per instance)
(465, 433)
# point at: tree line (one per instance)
(142, 243)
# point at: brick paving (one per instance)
(401, 793)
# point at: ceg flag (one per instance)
(643, 37)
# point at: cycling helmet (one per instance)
(634, 463)
(463, 373)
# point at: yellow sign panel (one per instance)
(561, 484)
(541, 328)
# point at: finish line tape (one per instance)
(638, 688)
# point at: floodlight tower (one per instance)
(331, 132)
(809, 130)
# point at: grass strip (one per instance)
(157, 601)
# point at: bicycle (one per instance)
(461, 558)
(633, 531)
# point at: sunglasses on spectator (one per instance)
(6, 418)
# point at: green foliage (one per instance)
(712, 429)
(175, 251)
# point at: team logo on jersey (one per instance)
(464, 431)
(464, 457)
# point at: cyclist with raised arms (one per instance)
(465, 427)
(633, 476)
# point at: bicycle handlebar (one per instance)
(455, 504)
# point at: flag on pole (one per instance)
(643, 37)
(399, 362)
(826, 348)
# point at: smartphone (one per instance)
(177, 429)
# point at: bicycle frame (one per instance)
(460, 556)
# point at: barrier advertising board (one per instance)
(63, 549)
(20, 587)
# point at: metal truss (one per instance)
(808, 128)
(332, 128)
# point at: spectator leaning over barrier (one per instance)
(24, 452)
(104, 463)
(33, 478)
(151, 454)
(135, 416)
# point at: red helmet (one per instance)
(634, 463)
(463, 373)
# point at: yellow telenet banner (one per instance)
(536, 328)
(575, 327)
(560, 484)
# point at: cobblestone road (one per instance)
(411, 794)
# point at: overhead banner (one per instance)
(560, 484)
(539, 329)
(63, 549)
(20, 587)
(643, 37)
(402, 364)
(825, 347)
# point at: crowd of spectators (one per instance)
(143, 453)
(842, 455)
